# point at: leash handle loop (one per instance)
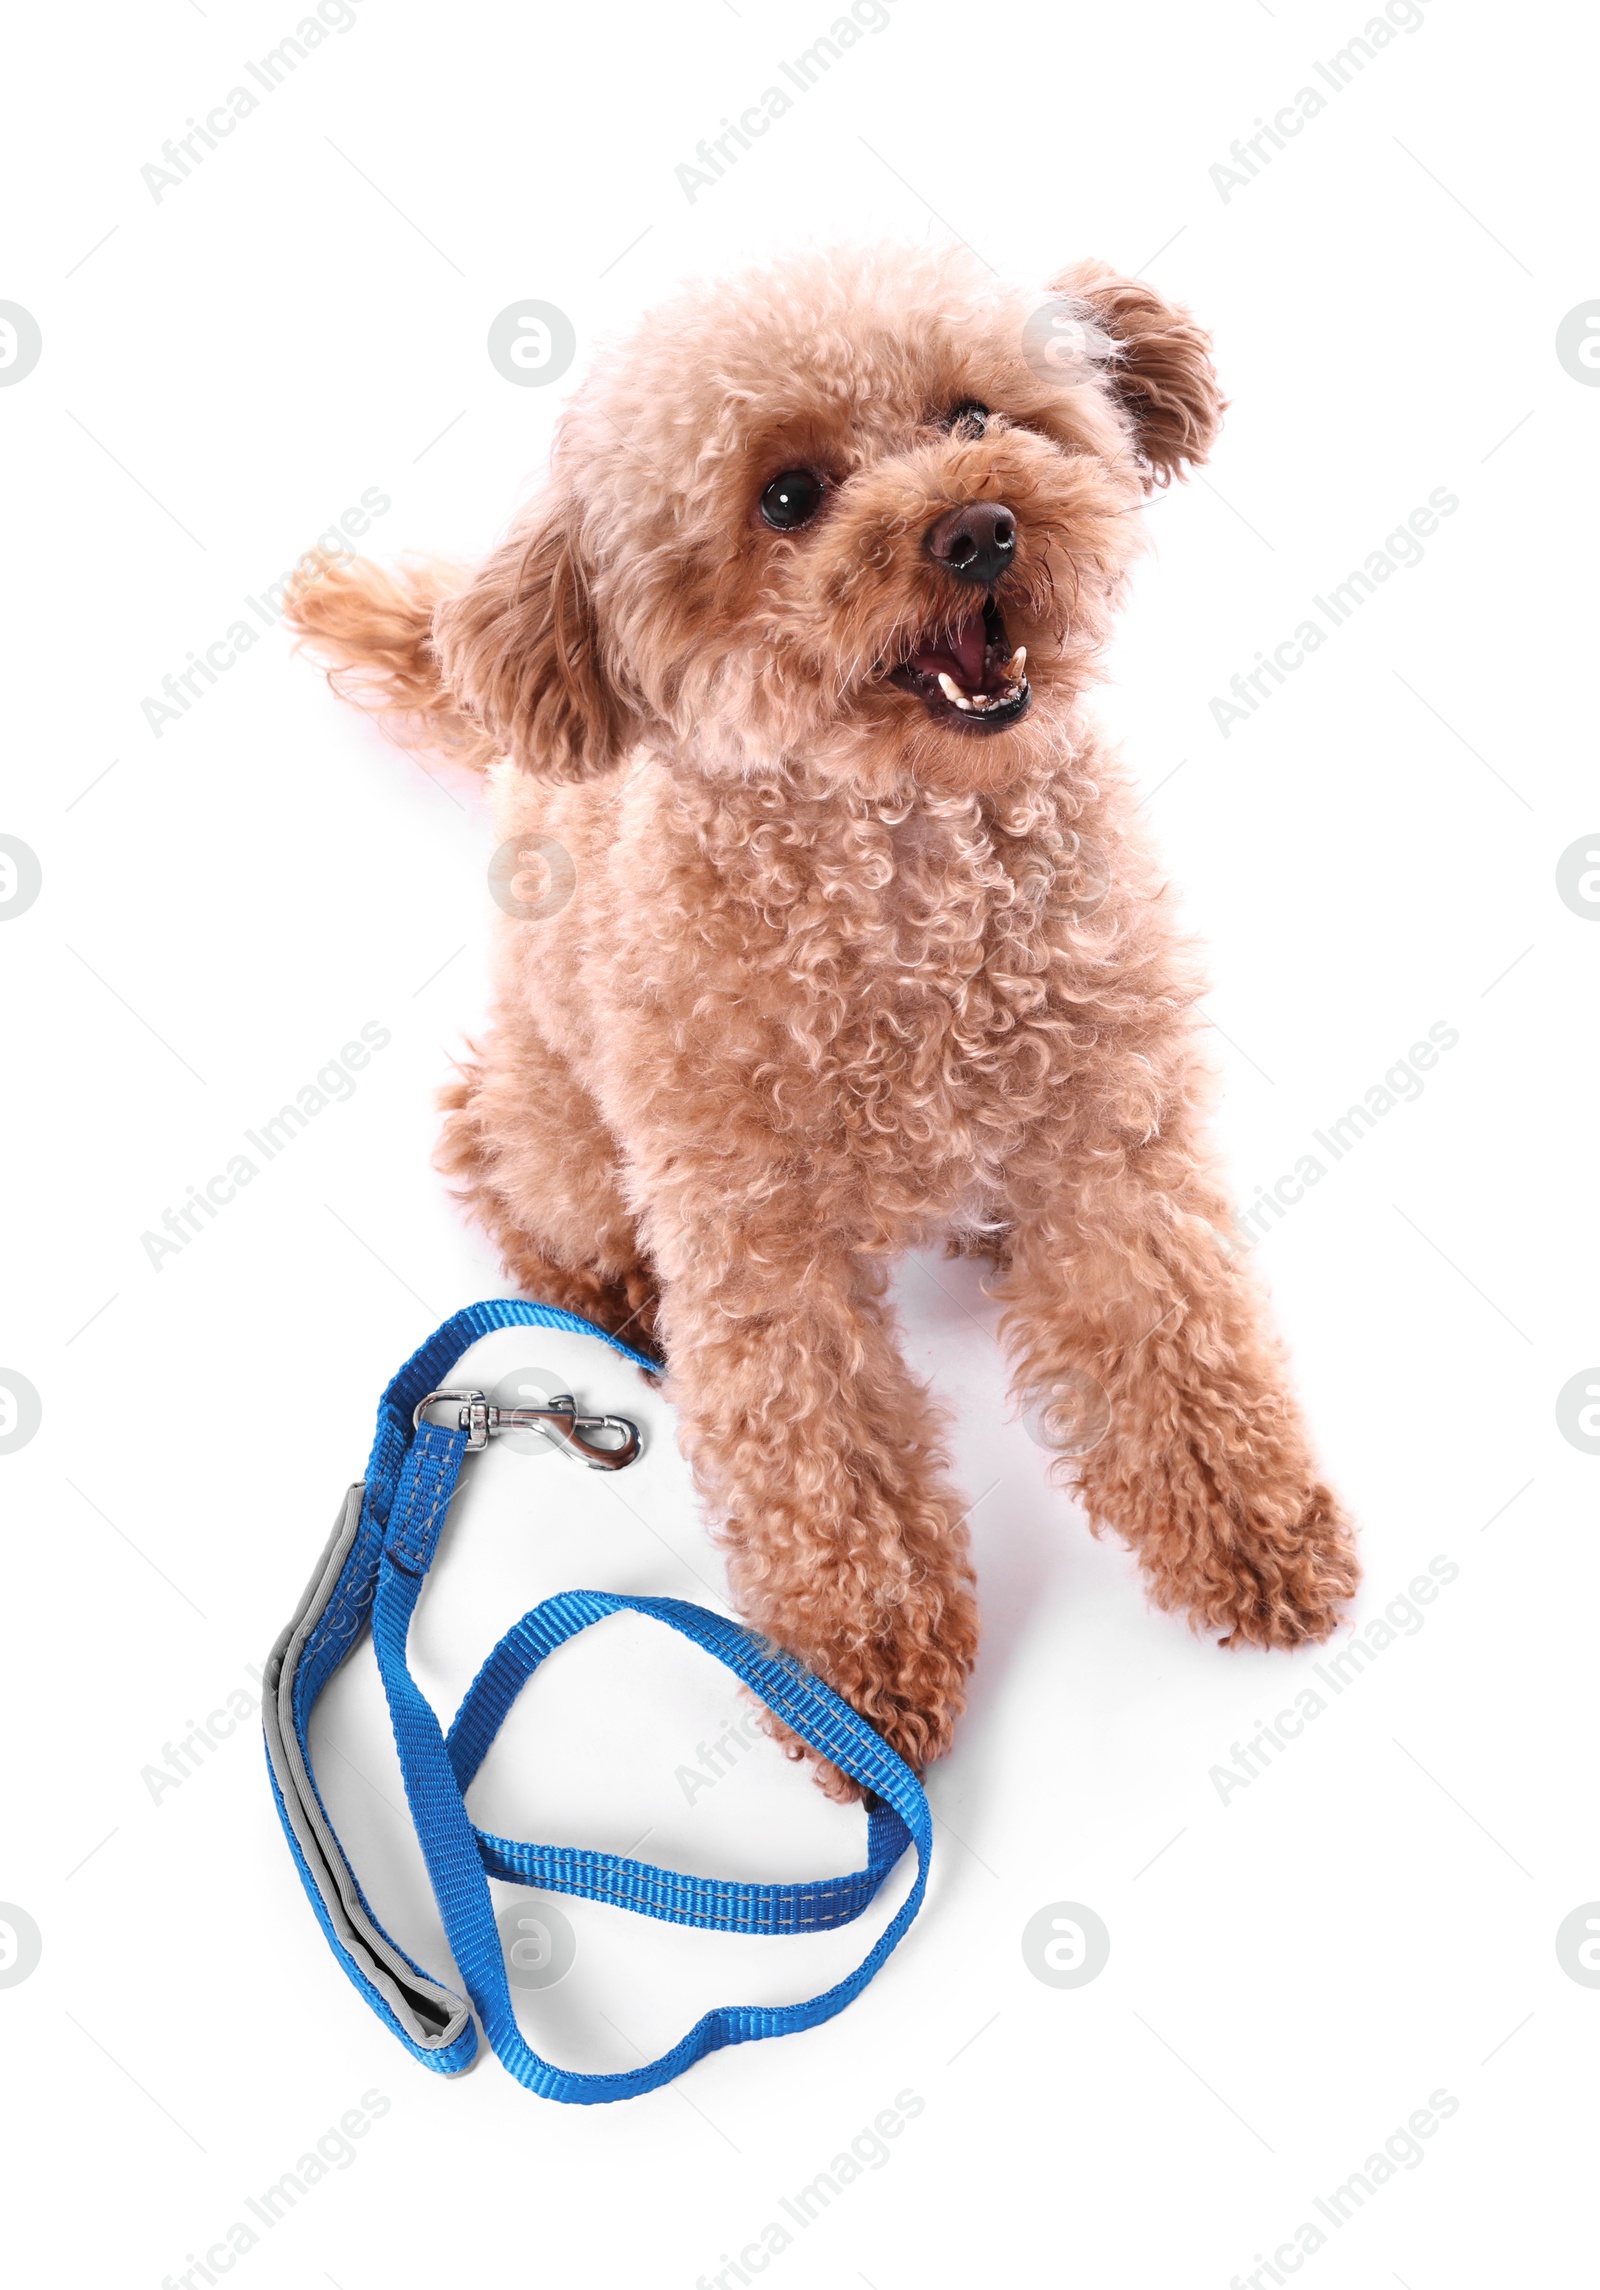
(371, 1575)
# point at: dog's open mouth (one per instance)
(968, 674)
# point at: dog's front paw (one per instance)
(907, 1679)
(1288, 1586)
(1245, 1540)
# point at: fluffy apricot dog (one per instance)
(838, 934)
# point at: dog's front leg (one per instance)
(817, 1453)
(1143, 1343)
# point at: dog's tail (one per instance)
(372, 630)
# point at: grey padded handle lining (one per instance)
(433, 2017)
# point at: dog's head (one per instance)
(868, 511)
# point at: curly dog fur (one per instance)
(826, 965)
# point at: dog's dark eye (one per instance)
(792, 499)
(969, 419)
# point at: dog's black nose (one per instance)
(976, 541)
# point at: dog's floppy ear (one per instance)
(1160, 370)
(521, 651)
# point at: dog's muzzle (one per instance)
(977, 542)
(967, 673)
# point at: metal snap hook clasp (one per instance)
(559, 1422)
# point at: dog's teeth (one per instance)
(1016, 664)
(952, 691)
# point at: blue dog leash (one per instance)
(372, 1573)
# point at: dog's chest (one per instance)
(910, 986)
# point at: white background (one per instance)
(224, 371)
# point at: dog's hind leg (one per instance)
(539, 1170)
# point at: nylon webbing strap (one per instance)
(371, 1575)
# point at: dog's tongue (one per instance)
(959, 653)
